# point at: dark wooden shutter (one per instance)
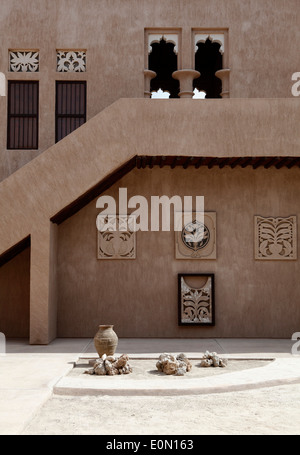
(70, 107)
(22, 124)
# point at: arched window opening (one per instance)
(160, 94)
(163, 60)
(208, 60)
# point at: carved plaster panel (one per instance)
(275, 238)
(197, 240)
(23, 61)
(71, 61)
(118, 240)
(196, 299)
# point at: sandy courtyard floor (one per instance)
(27, 406)
(271, 411)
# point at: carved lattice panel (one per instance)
(197, 240)
(23, 61)
(71, 61)
(118, 240)
(275, 238)
(196, 299)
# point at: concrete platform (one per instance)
(145, 381)
(30, 374)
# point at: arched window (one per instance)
(208, 60)
(163, 60)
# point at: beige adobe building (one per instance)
(78, 121)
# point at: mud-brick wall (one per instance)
(139, 297)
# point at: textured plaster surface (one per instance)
(253, 298)
(262, 50)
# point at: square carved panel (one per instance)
(118, 241)
(197, 240)
(275, 238)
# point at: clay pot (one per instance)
(106, 340)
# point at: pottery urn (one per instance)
(106, 340)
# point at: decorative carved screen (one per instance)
(197, 240)
(118, 240)
(23, 61)
(71, 61)
(275, 238)
(196, 299)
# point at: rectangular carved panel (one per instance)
(23, 61)
(71, 61)
(196, 299)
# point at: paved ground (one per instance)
(267, 396)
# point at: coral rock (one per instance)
(110, 358)
(100, 369)
(159, 366)
(206, 363)
(223, 363)
(183, 358)
(165, 357)
(171, 365)
(126, 369)
(110, 366)
(216, 361)
(180, 371)
(111, 370)
(121, 362)
(212, 359)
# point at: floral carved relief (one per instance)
(23, 61)
(276, 238)
(71, 61)
(196, 302)
(118, 240)
(197, 240)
